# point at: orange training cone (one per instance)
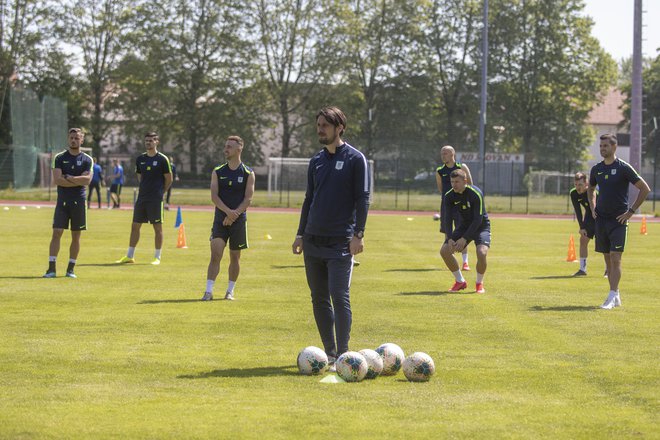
(643, 230)
(181, 239)
(571, 250)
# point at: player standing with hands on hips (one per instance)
(331, 229)
(611, 210)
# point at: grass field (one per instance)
(131, 352)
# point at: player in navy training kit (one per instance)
(331, 228)
(117, 183)
(72, 172)
(580, 199)
(611, 210)
(232, 188)
(442, 179)
(155, 176)
(97, 181)
(475, 225)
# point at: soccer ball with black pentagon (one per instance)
(351, 366)
(312, 361)
(392, 356)
(418, 367)
(374, 363)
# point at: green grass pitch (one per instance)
(131, 352)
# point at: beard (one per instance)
(328, 140)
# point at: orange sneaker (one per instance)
(480, 288)
(458, 286)
(466, 266)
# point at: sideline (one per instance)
(205, 208)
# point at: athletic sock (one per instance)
(131, 252)
(459, 276)
(72, 264)
(583, 264)
(230, 286)
(209, 285)
(465, 257)
(157, 253)
(480, 277)
(51, 264)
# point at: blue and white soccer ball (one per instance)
(418, 367)
(374, 363)
(312, 360)
(351, 366)
(393, 357)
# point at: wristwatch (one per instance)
(359, 234)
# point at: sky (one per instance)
(614, 26)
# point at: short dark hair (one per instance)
(236, 139)
(151, 134)
(609, 137)
(580, 176)
(458, 173)
(335, 116)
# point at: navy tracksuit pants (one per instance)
(329, 266)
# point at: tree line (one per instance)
(405, 71)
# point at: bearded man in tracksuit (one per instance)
(331, 228)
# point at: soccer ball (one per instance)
(312, 361)
(418, 367)
(374, 363)
(351, 366)
(392, 356)
(436, 216)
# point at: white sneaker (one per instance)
(610, 301)
(617, 300)
(332, 368)
(229, 296)
(208, 296)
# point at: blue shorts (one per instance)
(148, 211)
(610, 235)
(74, 211)
(235, 234)
(483, 236)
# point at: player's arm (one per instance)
(644, 191)
(249, 193)
(467, 173)
(445, 216)
(83, 180)
(591, 193)
(297, 245)
(168, 181)
(577, 208)
(438, 180)
(478, 210)
(61, 180)
(215, 198)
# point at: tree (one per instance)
(547, 72)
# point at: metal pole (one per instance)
(484, 97)
(636, 98)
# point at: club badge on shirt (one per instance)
(613, 171)
(339, 165)
(155, 162)
(240, 179)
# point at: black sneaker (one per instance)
(580, 273)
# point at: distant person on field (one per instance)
(117, 183)
(72, 172)
(611, 210)
(232, 187)
(175, 178)
(331, 228)
(155, 177)
(442, 180)
(580, 200)
(468, 201)
(96, 183)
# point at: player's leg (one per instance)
(233, 270)
(238, 241)
(339, 283)
(89, 193)
(613, 235)
(457, 219)
(447, 254)
(217, 250)
(53, 250)
(78, 213)
(614, 270)
(158, 242)
(98, 192)
(482, 265)
(119, 187)
(316, 272)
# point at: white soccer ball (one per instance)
(418, 367)
(436, 216)
(351, 366)
(374, 363)
(392, 356)
(312, 361)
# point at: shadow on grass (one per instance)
(284, 370)
(110, 264)
(36, 277)
(412, 270)
(297, 266)
(563, 308)
(435, 293)
(554, 277)
(169, 301)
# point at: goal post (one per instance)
(290, 174)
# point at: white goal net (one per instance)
(550, 182)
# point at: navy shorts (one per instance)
(610, 235)
(115, 188)
(590, 227)
(75, 211)
(148, 211)
(234, 234)
(483, 236)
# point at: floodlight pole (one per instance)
(636, 99)
(484, 97)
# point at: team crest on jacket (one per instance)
(339, 165)
(155, 162)
(614, 171)
(240, 179)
